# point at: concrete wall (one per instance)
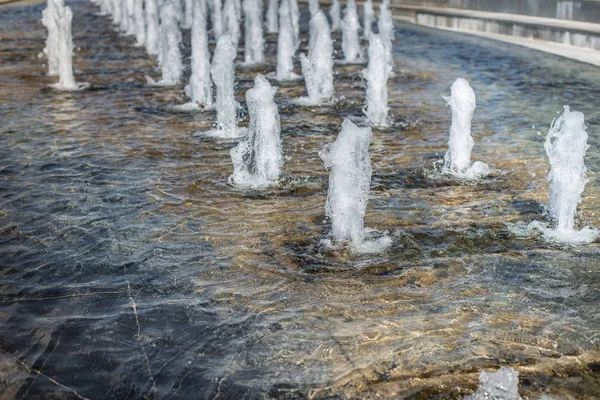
(586, 10)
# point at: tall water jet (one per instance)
(130, 24)
(385, 25)
(457, 161)
(317, 68)
(169, 57)
(152, 26)
(231, 23)
(222, 72)
(257, 161)
(295, 13)
(253, 41)
(178, 9)
(313, 6)
(376, 75)
(350, 39)
(199, 88)
(565, 146)
(188, 14)
(335, 13)
(49, 20)
(271, 23)
(368, 17)
(116, 11)
(349, 183)
(140, 23)
(216, 18)
(285, 44)
(64, 17)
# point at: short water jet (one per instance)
(350, 39)
(317, 68)
(222, 72)
(335, 13)
(565, 146)
(231, 23)
(257, 161)
(140, 23)
(385, 25)
(199, 88)
(376, 75)
(169, 57)
(253, 40)
(285, 44)
(271, 23)
(500, 385)
(313, 6)
(49, 20)
(216, 18)
(457, 161)
(368, 17)
(152, 27)
(349, 184)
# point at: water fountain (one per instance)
(313, 6)
(140, 23)
(295, 13)
(49, 20)
(368, 17)
(272, 26)
(116, 12)
(188, 16)
(385, 25)
(349, 184)
(152, 27)
(216, 18)
(57, 18)
(350, 39)
(222, 73)
(199, 88)
(334, 13)
(105, 7)
(285, 44)
(317, 68)
(376, 74)
(457, 161)
(178, 9)
(257, 161)
(566, 145)
(130, 27)
(231, 24)
(169, 57)
(254, 42)
(499, 385)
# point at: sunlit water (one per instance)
(131, 269)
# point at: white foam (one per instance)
(257, 161)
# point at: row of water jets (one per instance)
(257, 159)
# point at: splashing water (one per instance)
(140, 23)
(257, 161)
(231, 23)
(565, 146)
(222, 72)
(285, 44)
(169, 57)
(188, 16)
(199, 89)
(317, 68)
(385, 24)
(335, 14)
(295, 13)
(376, 74)
(500, 385)
(49, 20)
(271, 23)
(216, 18)
(313, 6)
(349, 183)
(368, 17)
(457, 161)
(350, 39)
(254, 42)
(152, 47)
